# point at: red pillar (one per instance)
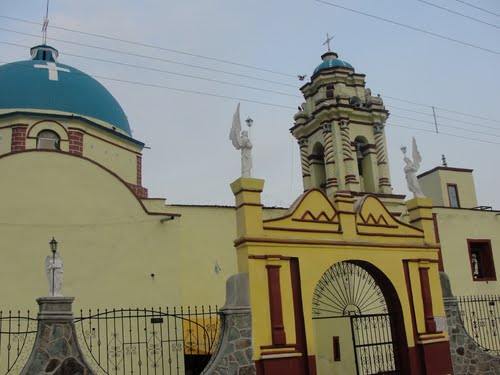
(430, 324)
(277, 328)
(76, 142)
(18, 138)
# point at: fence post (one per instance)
(56, 350)
(234, 353)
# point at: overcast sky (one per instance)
(192, 161)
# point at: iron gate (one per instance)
(374, 349)
(148, 341)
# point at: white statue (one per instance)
(411, 169)
(54, 271)
(241, 141)
(475, 266)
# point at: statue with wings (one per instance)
(411, 169)
(241, 141)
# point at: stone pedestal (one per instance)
(56, 350)
(235, 351)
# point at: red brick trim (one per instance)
(139, 169)
(430, 324)
(138, 190)
(75, 141)
(275, 304)
(18, 138)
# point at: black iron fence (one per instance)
(149, 341)
(159, 341)
(481, 318)
(17, 336)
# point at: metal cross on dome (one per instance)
(327, 41)
(53, 70)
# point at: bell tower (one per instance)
(340, 131)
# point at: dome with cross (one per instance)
(331, 60)
(44, 85)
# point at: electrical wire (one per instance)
(443, 133)
(165, 71)
(411, 27)
(459, 14)
(476, 7)
(154, 47)
(175, 89)
(228, 83)
(447, 126)
(149, 57)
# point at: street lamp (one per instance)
(53, 248)
(53, 245)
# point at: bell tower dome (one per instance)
(340, 131)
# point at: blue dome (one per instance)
(330, 60)
(44, 84)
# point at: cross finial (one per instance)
(327, 41)
(45, 24)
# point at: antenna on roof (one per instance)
(45, 24)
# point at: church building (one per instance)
(349, 251)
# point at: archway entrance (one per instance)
(357, 319)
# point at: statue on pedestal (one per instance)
(241, 141)
(54, 271)
(411, 170)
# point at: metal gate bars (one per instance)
(148, 341)
(374, 349)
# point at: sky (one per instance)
(190, 160)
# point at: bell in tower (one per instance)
(340, 131)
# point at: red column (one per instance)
(18, 138)
(277, 328)
(430, 324)
(76, 142)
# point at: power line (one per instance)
(154, 47)
(151, 58)
(442, 133)
(448, 126)
(244, 76)
(476, 7)
(411, 27)
(440, 108)
(446, 118)
(165, 71)
(174, 89)
(459, 14)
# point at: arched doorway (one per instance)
(357, 321)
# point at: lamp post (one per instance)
(53, 248)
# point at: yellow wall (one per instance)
(434, 185)
(5, 139)
(455, 227)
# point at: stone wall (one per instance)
(234, 351)
(467, 357)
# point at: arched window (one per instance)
(48, 140)
(317, 161)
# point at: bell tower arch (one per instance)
(340, 130)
